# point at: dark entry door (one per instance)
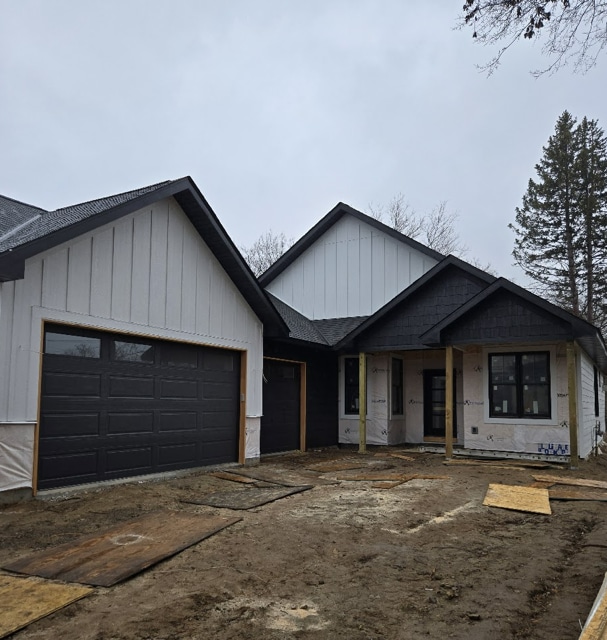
(114, 406)
(280, 424)
(435, 391)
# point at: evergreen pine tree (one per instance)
(561, 227)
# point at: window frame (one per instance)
(401, 388)
(344, 387)
(521, 418)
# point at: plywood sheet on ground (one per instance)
(246, 498)
(528, 499)
(596, 624)
(577, 494)
(105, 558)
(286, 478)
(576, 482)
(25, 600)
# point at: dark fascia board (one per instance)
(189, 197)
(579, 327)
(423, 281)
(325, 223)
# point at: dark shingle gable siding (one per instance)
(402, 326)
(506, 317)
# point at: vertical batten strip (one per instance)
(449, 402)
(572, 395)
(362, 403)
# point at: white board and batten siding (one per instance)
(588, 422)
(150, 274)
(352, 270)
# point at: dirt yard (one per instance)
(343, 560)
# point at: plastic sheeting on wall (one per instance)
(252, 438)
(16, 456)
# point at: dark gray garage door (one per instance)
(114, 406)
(280, 424)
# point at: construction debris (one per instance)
(518, 498)
(578, 482)
(596, 623)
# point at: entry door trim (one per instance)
(302, 398)
(428, 374)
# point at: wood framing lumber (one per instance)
(578, 482)
(576, 494)
(596, 623)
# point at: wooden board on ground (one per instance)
(387, 485)
(577, 494)
(105, 558)
(336, 465)
(596, 623)
(402, 457)
(246, 498)
(377, 476)
(518, 498)
(514, 466)
(25, 600)
(233, 477)
(382, 476)
(541, 485)
(284, 478)
(577, 482)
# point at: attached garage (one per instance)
(131, 340)
(114, 406)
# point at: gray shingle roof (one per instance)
(334, 329)
(326, 332)
(39, 223)
(300, 327)
(15, 214)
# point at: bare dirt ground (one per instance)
(424, 559)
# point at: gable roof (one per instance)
(38, 230)
(448, 263)
(586, 334)
(323, 225)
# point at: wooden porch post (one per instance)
(572, 394)
(449, 402)
(362, 403)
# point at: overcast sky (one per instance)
(278, 109)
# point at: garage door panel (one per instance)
(183, 454)
(172, 388)
(71, 384)
(219, 452)
(119, 414)
(218, 361)
(131, 387)
(80, 465)
(71, 425)
(130, 422)
(135, 459)
(178, 421)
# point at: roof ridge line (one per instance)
(113, 195)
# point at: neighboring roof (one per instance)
(323, 225)
(323, 332)
(46, 229)
(421, 283)
(586, 334)
(15, 214)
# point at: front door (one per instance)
(435, 383)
